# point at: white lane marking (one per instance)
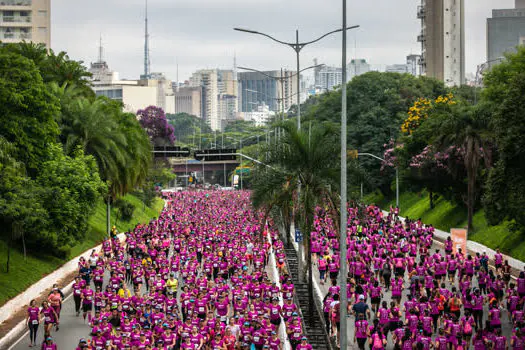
(27, 332)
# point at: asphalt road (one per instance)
(73, 328)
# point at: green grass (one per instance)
(447, 215)
(24, 273)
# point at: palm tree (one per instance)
(309, 158)
(61, 69)
(116, 140)
(466, 127)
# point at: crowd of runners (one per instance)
(437, 298)
(197, 278)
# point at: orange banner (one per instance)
(459, 239)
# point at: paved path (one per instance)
(73, 328)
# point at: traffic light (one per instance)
(210, 155)
(171, 152)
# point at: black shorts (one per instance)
(399, 271)
(376, 300)
(498, 266)
(451, 273)
(276, 322)
(87, 307)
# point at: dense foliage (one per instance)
(504, 196)
(377, 106)
(61, 148)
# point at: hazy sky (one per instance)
(199, 33)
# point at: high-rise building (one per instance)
(442, 40)
(218, 96)
(188, 99)
(414, 65)
(228, 108)
(327, 78)
(25, 20)
(505, 31)
(208, 80)
(227, 98)
(357, 67)
(256, 89)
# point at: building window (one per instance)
(42, 30)
(42, 13)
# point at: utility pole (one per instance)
(343, 300)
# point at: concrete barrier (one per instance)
(36, 290)
(475, 247)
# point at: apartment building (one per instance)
(25, 20)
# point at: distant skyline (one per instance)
(199, 34)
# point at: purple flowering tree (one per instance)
(436, 170)
(153, 120)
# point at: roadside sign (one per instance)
(298, 236)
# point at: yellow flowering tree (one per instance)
(420, 110)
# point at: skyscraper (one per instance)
(25, 20)
(218, 95)
(505, 31)
(442, 40)
(207, 79)
(326, 78)
(256, 89)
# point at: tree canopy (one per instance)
(60, 148)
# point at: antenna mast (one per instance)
(234, 65)
(100, 50)
(146, 46)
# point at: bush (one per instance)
(125, 209)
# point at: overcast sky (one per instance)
(199, 34)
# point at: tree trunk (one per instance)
(24, 246)
(470, 201)
(287, 223)
(108, 216)
(431, 199)
(8, 254)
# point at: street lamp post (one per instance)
(297, 47)
(343, 300)
(240, 143)
(397, 173)
(281, 80)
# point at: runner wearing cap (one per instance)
(303, 345)
(48, 344)
(50, 318)
(82, 344)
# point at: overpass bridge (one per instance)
(189, 165)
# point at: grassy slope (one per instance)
(446, 215)
(24, 273)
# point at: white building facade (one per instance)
(357, 67)
(454, 42)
